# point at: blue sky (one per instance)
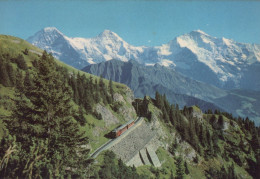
(137, 22)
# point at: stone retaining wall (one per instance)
(131, 144)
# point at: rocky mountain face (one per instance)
(218, 61)
(181, 90)
(146, 79)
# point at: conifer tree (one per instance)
(4, 77)
(19, 80)
(179, 168)
(44, 127)
(11, 74)
(27, 80)
(21, 62)
(258, 166)
(186, 168)
(111, 89)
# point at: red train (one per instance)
(121, 129)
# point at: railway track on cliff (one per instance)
(112, 142)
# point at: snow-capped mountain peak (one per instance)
(199, 32)
(45, 37)
(109, 34)
(218, 61)
(51, 30)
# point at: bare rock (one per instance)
(118, 98)
(107, 116)
(126, 109)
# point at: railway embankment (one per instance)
(133, 142)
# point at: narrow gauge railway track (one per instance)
(111, 142)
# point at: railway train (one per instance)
(121, 129)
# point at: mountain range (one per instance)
(218, 61)
(181, 90)
(194, 68)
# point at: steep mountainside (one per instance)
(52, 116)
(146, 80)
(52, 111)
(218, 61)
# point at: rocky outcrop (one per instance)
(107, 115)
(126, 109)
(197, 113)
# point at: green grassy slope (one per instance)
(15, 46)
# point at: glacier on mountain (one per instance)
(218, 61)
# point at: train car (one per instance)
(121, 129)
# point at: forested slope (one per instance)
(52, 116)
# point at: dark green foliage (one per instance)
(196, 159)
(205, 138)
(221, 121)
(116, 105)
(19, 80)
(97, 115)
(186, 168)
(258, 166)
(179, 168)
(48, 140)
(111, 89)
(155, 171)
(224, 173)
(11, 74)
(27, 80)
(141, 107)
(19, 60)
(4, 77)
(80, 117)
(113, 168)
(26, 51)
(173, 147)
(86, 92)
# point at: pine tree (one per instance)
(221, 121)
(44, 126)
(19, 80)
(111, 89)
(11, 74)
(26, 51)
(4, 77)
(158, 100)
(186, 168)
(258, 166)
(27, 80)
(171, 176)
(179, 168)
(21, 62)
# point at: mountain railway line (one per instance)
(119, 133)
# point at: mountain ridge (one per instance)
(218, 61)
(181, 90)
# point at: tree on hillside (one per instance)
(111, 89)
(186, 168)
(11, 74)
(21, 62)
(4, 77)
(179, 168)
(26, 51)
(48, 136)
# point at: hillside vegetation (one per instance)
(212, 144)
(52, 116)
(179, 89)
